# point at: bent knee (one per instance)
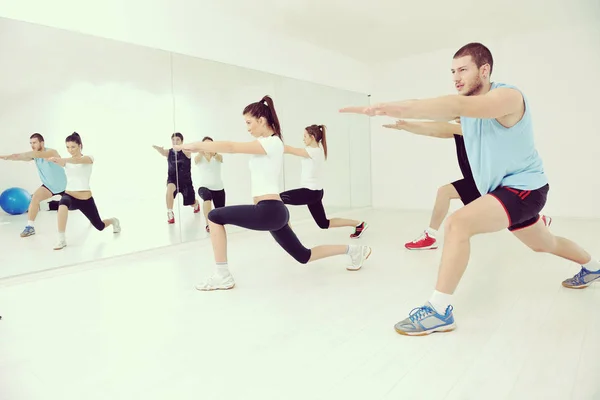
(323, 224)
(457, 225)
(447, 191)
(214, 216)
(36, 199)
(302, 257)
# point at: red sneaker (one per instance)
(423, 242)
(360, 229)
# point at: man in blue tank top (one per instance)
(496, 125)
(54, 180)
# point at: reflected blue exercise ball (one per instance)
(15, 201)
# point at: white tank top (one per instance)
(210, 173)
(312, 169)
(266, 170)
(78, 176)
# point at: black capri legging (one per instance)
(267, 215)
(311, 198)
(87, 208)
(217, 196)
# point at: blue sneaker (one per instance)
(582, 279)
(425, 320)
(28, 231)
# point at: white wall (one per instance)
(558, 71)
(123, 98)
(199, 29)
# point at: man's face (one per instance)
(36, 145)
(468, 79)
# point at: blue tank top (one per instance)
(501, 156)
(52, 175)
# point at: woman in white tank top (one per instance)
(78, 193)
(268, 213)
(211, 184)
(311, 191)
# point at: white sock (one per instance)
(61, 236)
(351, 249)
(222, 268)
(440, 301)
(170, 210)
(593, 266)
(30, 223)
(431, 232)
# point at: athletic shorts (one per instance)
(186, 189)
(522, 206)
(467, 190)
(53, 194)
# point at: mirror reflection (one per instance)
(313, 159)
(211, 189)
(179, 177)
(90, 136)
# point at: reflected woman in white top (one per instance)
(311, 191)
(268, 212)
(211, 184)
(78, 194)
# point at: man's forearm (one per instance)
(434, 129)
(28, 156)
(445, 108)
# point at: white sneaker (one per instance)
(358, 254)
(217, 282)
(61, 244)
(116, 225)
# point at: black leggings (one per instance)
(217, 196)
(311, 198)
(87, 208)
(267, 215)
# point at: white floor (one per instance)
(144, 227)
(141, 230)
(135, 328)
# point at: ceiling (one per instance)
(385, 30)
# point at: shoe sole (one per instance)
(361, 232)
(445, 329)
(577, 287)
(366, 258)
(213, 289)
(421, 248)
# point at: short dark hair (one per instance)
(205, 138)
(37, 136)
(480, 54)
(177, 134)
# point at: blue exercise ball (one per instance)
(15, 201)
